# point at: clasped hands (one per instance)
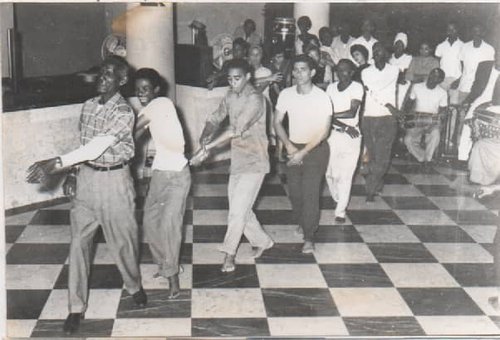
(295, 156)
(199, 156)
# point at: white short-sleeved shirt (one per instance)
(450, 57)
(263, 72)
(403, 62)
(307, 113)
(471, 57)
(166, 131)
(428, 100)
(366, 43)
(341, 50)
(381, 89)
(341, 100)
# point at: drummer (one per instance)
(428, 101)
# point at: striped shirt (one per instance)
(114, 118)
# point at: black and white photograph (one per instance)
(250, 170)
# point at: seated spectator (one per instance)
(239, 51)
(421, 65)
(324, 75)
(427, 102)
(304, 38)
(247, 33)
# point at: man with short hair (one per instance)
(366, 38)
(245, 107)
(248, 33)
(309, 115)
(341, 44)
(102, 191)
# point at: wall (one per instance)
(6, 22)
(219, 18)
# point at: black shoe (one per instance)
(140, 298)
(72, 323)
(340, 219)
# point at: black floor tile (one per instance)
(38, 253)
(395, 179)
(26, 304)
(285, 253)
(211, 203)
(326, 202)
(437, 190)
(272, 190)
(355, 275)
(383, 326)
(51, 217)
(210, 178)
(373, 217)
(337, 233)
(224, 327)
(159, 305)
(358, 190)
(401, 253)
(209, 233)
(51, 329)
(441, 234)
(274, 216)
(12, 232)
(409, 203)
(439, 301)
(473, 274)
(102, 276)
(210, 276)
(414, 169)
(491, 202)
(299, 302)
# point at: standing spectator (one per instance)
(326, 39)
(422, 65)
(248, 33)
(168, 191)
(309, 113)
(359, 54)
(245, 107)
(323, 75)
(345, 138)
(472, 53)
(449, 52)
(102, 190)
(341, 44)
(427, 103)
(304, 38)
(402, 61)
(379, 125)
(366, 38)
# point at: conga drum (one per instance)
(486, 122)
(284, 33)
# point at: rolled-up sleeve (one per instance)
(216, 117)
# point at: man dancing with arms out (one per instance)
(103, 190)
(310, 114)
(245, 107)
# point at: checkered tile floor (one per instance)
(415, 262)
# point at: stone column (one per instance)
(150, 40)
(318, 12)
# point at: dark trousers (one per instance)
(378, 134)
(304, 188)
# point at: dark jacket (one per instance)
(481, 80)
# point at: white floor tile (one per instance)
(152, 327)
(400, 190)
(312, 326)
(283, 233)
(210, 217)
(273, 203)
(209, 190)
(20, 328)
(209, 253)
(369, 302)
(290, 276)
(45, 234)
(227, 303)
(457, 203)
(20, 219)
(149, 282)
(343, 253)
(459, 253)
(457, 325)
(481, 233)
(386, 234)
(424, 217)
(32, 276)
(480, 295)
(359, 203)
(413, 275)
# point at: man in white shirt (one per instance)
(379, 125)
(309, 114)
(428, 102)
(342, 43)
(472, 53)
(366, 38)
(248, 33)
(449, 52)
(169, 187)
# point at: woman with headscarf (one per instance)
(402, 60)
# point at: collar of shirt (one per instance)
(248, 89)
(110, 103)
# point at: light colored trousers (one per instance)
(344, 156)
(412, 141)
(104, 198)
(163, 217)
(242, 192)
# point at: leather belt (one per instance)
(107, 168)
